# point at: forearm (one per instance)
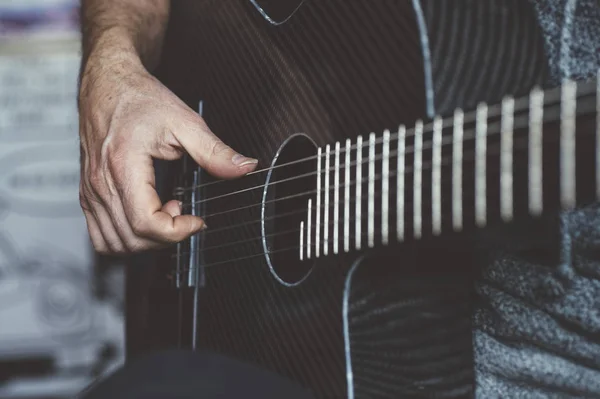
(123, 29)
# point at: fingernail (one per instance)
(180, 206)
(241, 160)
(204, 227)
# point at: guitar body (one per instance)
(276, 80)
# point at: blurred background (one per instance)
(61, 307)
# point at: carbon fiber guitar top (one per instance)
(281, 80)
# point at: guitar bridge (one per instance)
(188, 256)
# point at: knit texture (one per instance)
(537, 320)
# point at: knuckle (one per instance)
(165, 146)
(100, 251)
(83, 201)
(139, 226)
(217, 147)
(184, 232)
(83, 204)
(133, 246)
(131, 243)
(114, 247)
(87, 198)
(174, 236)
(96, 182)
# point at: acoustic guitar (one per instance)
(391, 135)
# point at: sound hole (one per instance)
(290, 183)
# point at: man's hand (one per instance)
(127, 118)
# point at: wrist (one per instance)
(112, 46)
(111, 56)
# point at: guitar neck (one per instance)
(508, 162)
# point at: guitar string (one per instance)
(392, 155)
(468, 157)
(445, 161)
(296, 230)
(244, 241)
(312, 245)
(296, 248)
(256, 255)
(221, 229)
(408, 169)
(552, 97)
(492, 150)
(236, 259)
(447, 140)
(445, 200)
(493, 130)
(493, 111)
(351, 201)
(308, 174)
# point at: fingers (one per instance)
(132, 242)
(210, 152)
(110, 234)
(123, 210)
(129, 217)
(147, 216)
(173, 208)
(104, 237)
(112, 231)
(94, 231)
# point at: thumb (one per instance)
(211, 153)
(173, 208)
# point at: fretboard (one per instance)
(499, 163)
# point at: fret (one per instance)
(510, 119)
(347, 197)
(481, 164)
(336, 199)
(506, 158)
(326, 207)
(302, 240)
(309, 229)
(536, 118)
(436, 177)
(567, 144)
(358, 203)
(318, 205)
(598, 135)
(385, 188)
(371, 194)
(418, 180)
(400, 183)
(457, 161)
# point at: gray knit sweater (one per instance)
(537, 325)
